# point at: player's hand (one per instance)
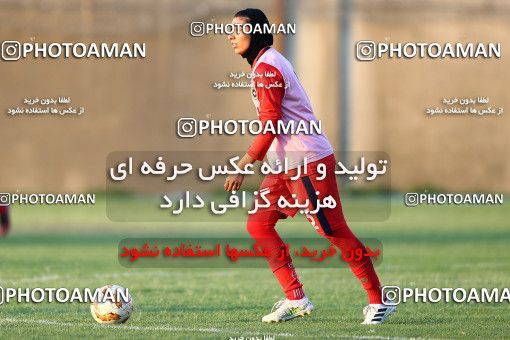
(233, 182)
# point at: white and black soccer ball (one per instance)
(113, 305)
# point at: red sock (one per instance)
(261, 228)
(289, 281)
(364, 270)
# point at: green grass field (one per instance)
(438, 246)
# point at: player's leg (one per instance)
(331, 224)
(261, 227)
(4, 220)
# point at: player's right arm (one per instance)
(270, 98)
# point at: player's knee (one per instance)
(255, 228)
(251, 227)
(260, 228)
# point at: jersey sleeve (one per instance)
(270, 87)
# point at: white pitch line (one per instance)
(233, 332)
(140, 328)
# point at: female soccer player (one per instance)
(287, 103)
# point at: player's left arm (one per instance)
(270, 87)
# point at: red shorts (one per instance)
(325, 220)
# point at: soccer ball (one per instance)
(113, 305)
